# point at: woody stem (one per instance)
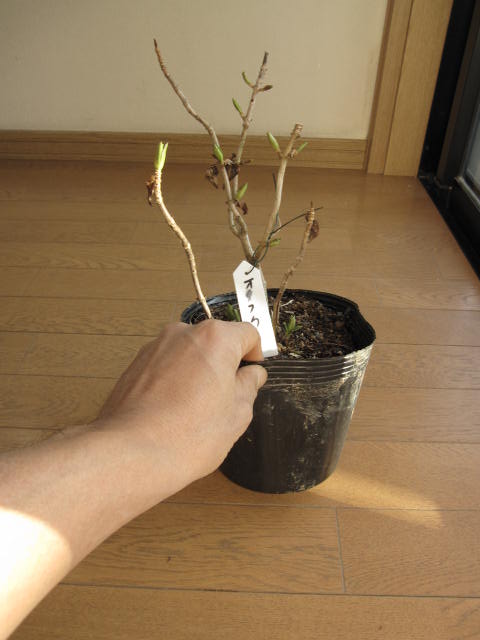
(247, 118)
(237, 224)
(186, 244)
(285, 156)
(291, 269)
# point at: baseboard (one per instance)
(184, 148)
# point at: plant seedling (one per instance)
(232, 313)
(290, 326)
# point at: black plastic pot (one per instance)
(302, 414)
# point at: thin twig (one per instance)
(186, 244)
(260, 259)
(183, 98)
(285, 156)
(285, 224)
(247, 118)
(238, 225)
(293, 266)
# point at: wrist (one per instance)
(149, 469)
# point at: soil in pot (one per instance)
(320, 331)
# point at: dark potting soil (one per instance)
(321, 331)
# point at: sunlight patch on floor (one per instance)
(355, 490)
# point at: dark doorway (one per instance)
(450, 164)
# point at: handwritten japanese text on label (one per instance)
(253, 305)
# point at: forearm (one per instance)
(158, 431)
(61, 499)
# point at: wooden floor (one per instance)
(388, 547)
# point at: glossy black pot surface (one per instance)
(302, 414)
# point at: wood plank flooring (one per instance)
(387, 547)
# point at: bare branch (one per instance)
(157, 181)
(285, 156)
(247, 118)
(238, 225)
(293, 266)
(182, 97)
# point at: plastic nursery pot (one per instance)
(301, 415)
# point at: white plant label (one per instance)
(253, 304)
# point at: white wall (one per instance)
(90, 65)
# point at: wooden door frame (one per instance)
(414, 35)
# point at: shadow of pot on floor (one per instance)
(302, 414)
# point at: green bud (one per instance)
(273, 142)
(159, 161)
(237, 107)
(156, 162)
(274, 243)
(244, 76)
(217, 152)
(241, 192)
(301, 147)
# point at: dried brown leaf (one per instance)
(232, 169)
(314, 231)
(211, 175)
(150, 189)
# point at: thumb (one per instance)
(250, 378)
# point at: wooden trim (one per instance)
(412, 46)
(423, 52)
(388, 77)
(184, 148)
(414, 37)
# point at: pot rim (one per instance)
(367, 330)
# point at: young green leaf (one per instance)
(237, 107)
(301, 147)
(273, 142)
(232, 314)
(247, 81)
(161, 156)
(274, 242)
(217, 152)
(156, 162)
(241, 192)
(291, 326)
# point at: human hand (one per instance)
(184, 398)
(171, 418)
